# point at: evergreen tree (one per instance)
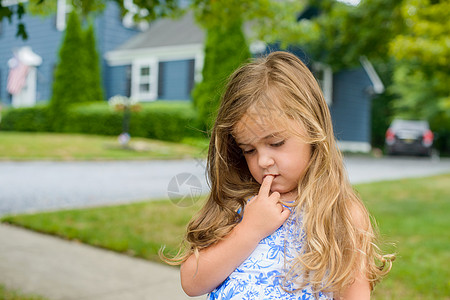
(69, 84)
(94, 89)
(225, 49)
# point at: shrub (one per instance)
(170, 121)
(93, 87)
(26, 119)
(77, 75)
(69, 84)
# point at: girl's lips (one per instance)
(274, 176)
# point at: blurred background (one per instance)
(124, 92)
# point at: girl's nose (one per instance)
(265, 160)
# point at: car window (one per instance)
(411, 125)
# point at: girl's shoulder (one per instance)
(359, 216)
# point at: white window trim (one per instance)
(62, 10)
(136, 80)
(378, 86)
(327, 83)
(125, 57)
(199, 60)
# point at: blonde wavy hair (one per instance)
(338, 238)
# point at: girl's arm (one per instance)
(360, 289)
(262, 216)
(216, 262)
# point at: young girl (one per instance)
(282, 220)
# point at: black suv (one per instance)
(409, 137)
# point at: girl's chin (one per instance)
(282, 193)
(279, 190)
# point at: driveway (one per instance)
(364, 169)
(43, 185)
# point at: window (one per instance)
(324, 76)
(144, 80)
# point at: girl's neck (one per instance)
(289, 196)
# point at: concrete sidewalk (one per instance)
(58, 269)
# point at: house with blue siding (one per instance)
(45, 36)
(166, 60)
(350, 107)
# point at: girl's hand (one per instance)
(262, 216)
(264, 213)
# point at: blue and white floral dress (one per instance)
(258, 277)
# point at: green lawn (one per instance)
(412, 213)
(8, 294)
(137, 229)
(56, 146)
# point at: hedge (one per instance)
(26, 119)
(171, 121)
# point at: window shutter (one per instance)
(161, 80)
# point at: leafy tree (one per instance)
(69, 84)
(49, 7)
(93, 87)
(333, 32)
(42, 8)
(366, 29)
(422, 75)
(154, 9)
(9, 11)
(225, 49)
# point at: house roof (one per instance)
(167, 32)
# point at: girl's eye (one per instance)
(278, 144)
(248, 151)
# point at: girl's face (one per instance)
(273, 150)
